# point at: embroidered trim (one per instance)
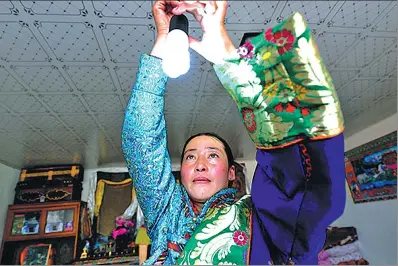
(306, 161)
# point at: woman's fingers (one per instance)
(221, 8)
(187, 7)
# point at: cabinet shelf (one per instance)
(37, 223)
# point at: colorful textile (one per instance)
(222, 237)
(282, 88)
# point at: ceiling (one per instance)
(66, 70)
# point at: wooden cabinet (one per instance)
(55, 223)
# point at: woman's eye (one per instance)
(213, 155)
(189, 157)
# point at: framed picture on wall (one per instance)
(371, 170)
(39, 254)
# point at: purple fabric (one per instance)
(292, 212)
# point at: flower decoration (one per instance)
(240, 238)
(286, 95)
(300, 91)
(283, 39)
(267, 56)
(246, 50)
(122, 227)
(248, 119)
(271, 91)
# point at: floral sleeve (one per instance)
(282, 89)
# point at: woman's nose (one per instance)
(201, 165)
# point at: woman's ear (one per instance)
(231, 173)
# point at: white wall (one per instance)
(8, 180)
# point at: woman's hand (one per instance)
(215, 43)
(162, 13)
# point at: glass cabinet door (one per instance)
(58, 221)
(26, 223)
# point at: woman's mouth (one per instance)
(201, 180)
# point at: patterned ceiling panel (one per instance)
(63, 103)
(125, 43)
(8, 83)
(13, 123)
(126, 9)
(354, 14)
(19, 44)
(22, 103)
(389, 22)
(67, 70)
(315, 11)
(71, 41)
(331, 44)
(103, 103)
(63, 8)
(250, 11)
(126, 77)
(43, 79)
(91, 79)
(367, 51)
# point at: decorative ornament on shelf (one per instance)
(121, 234)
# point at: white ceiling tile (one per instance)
(22, 103)
(10, 123)
(96, 46)
(66, 103)
(19, 43)
(389, 22)
(126, 76)
(186, 84)
(213, 84)
(314, 11)
(182, 119)
(44, 122)
(127, 9)
(331, 45)
(366, 51)
(180, 103)
(91, 79)
(209, 118)
(71, 41)
(112, 125)
(43, 79)
(250, 11)
(383, 67)
(3, 110)
(78, 121)
(214, 103)
(6, 7)
(126, 42)
(355, 89)
(359, 14)
(63, 8)
(103, 103)
(8, 83)
(340, 78)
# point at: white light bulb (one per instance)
(176, 61)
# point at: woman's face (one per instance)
(204, 168)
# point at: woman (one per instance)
(295, 122)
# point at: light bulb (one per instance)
(176, 61)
